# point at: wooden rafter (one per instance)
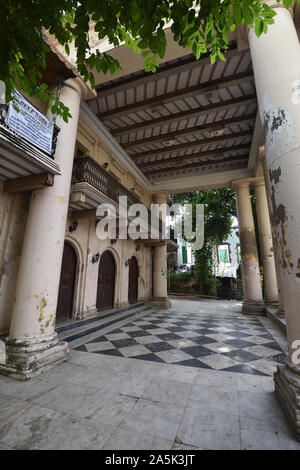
(200, 155)
(215, 107)
(207, 127)
(196, 165)
(188, 62)
(219, 84)
(186, 145)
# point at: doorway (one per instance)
(65, 301)
(106, 281)
(133, 281)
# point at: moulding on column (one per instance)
(287, 390)
(253, 308)
(160, 304)
(28, 359)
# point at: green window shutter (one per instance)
(184, 255)
(223, 255)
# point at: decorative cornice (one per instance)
(98, 127)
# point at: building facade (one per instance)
(191, 125)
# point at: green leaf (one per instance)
(259, 27)
(237, 14)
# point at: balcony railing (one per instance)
(86, 170)
(3, 114)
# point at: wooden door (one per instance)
(106, 281)
(133, 281)
(67, 284)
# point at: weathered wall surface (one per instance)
(13, 215)
(87, 244)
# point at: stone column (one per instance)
(253, 299)
(262, 156)
(160, 279)
(276, 65)
(266, 242)
(32, 345)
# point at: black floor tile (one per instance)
(202, 339)
(157, 347)
(149, 357)
(168, 336)
(244, 369)
(193, 363)
(241, 356)
(110, 352)
(123, 343)
(239, 343)
(197, 351)
(137, 334)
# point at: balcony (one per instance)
(93, 185)
(24, 166)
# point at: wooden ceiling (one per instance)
(188, 117)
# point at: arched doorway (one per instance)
(65, 301)
(133, 281)
(106, 281)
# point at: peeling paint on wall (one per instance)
(277, 127)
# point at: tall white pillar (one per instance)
(32, 344)
(160, 278)
(262, 156)
(276, 65)
(253, 299)
(266, 242)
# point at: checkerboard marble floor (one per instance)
(214, 337)
(101, 400)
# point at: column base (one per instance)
(29, 358)
(253, 308)
(280, 312)
(287, 390)
(160, 304)
(272, 304)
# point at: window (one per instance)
(184, 255)
(223, 254)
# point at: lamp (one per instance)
(74, 226)
(96, 258)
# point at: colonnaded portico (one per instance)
(189, 126)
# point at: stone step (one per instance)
(108, 321)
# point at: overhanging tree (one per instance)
(202, 25)
(219, 209)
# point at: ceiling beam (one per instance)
(200, 88)
(29, 183)
(197, 143)
(188, 62)
(184, 158)
(197, 165)
(210, 126)
(216, 107)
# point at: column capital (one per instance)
(82, 88)
(160, 197)
(259, 181)
(241, 183)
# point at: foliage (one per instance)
(219, 208)
(180, 281)
(202, 25)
